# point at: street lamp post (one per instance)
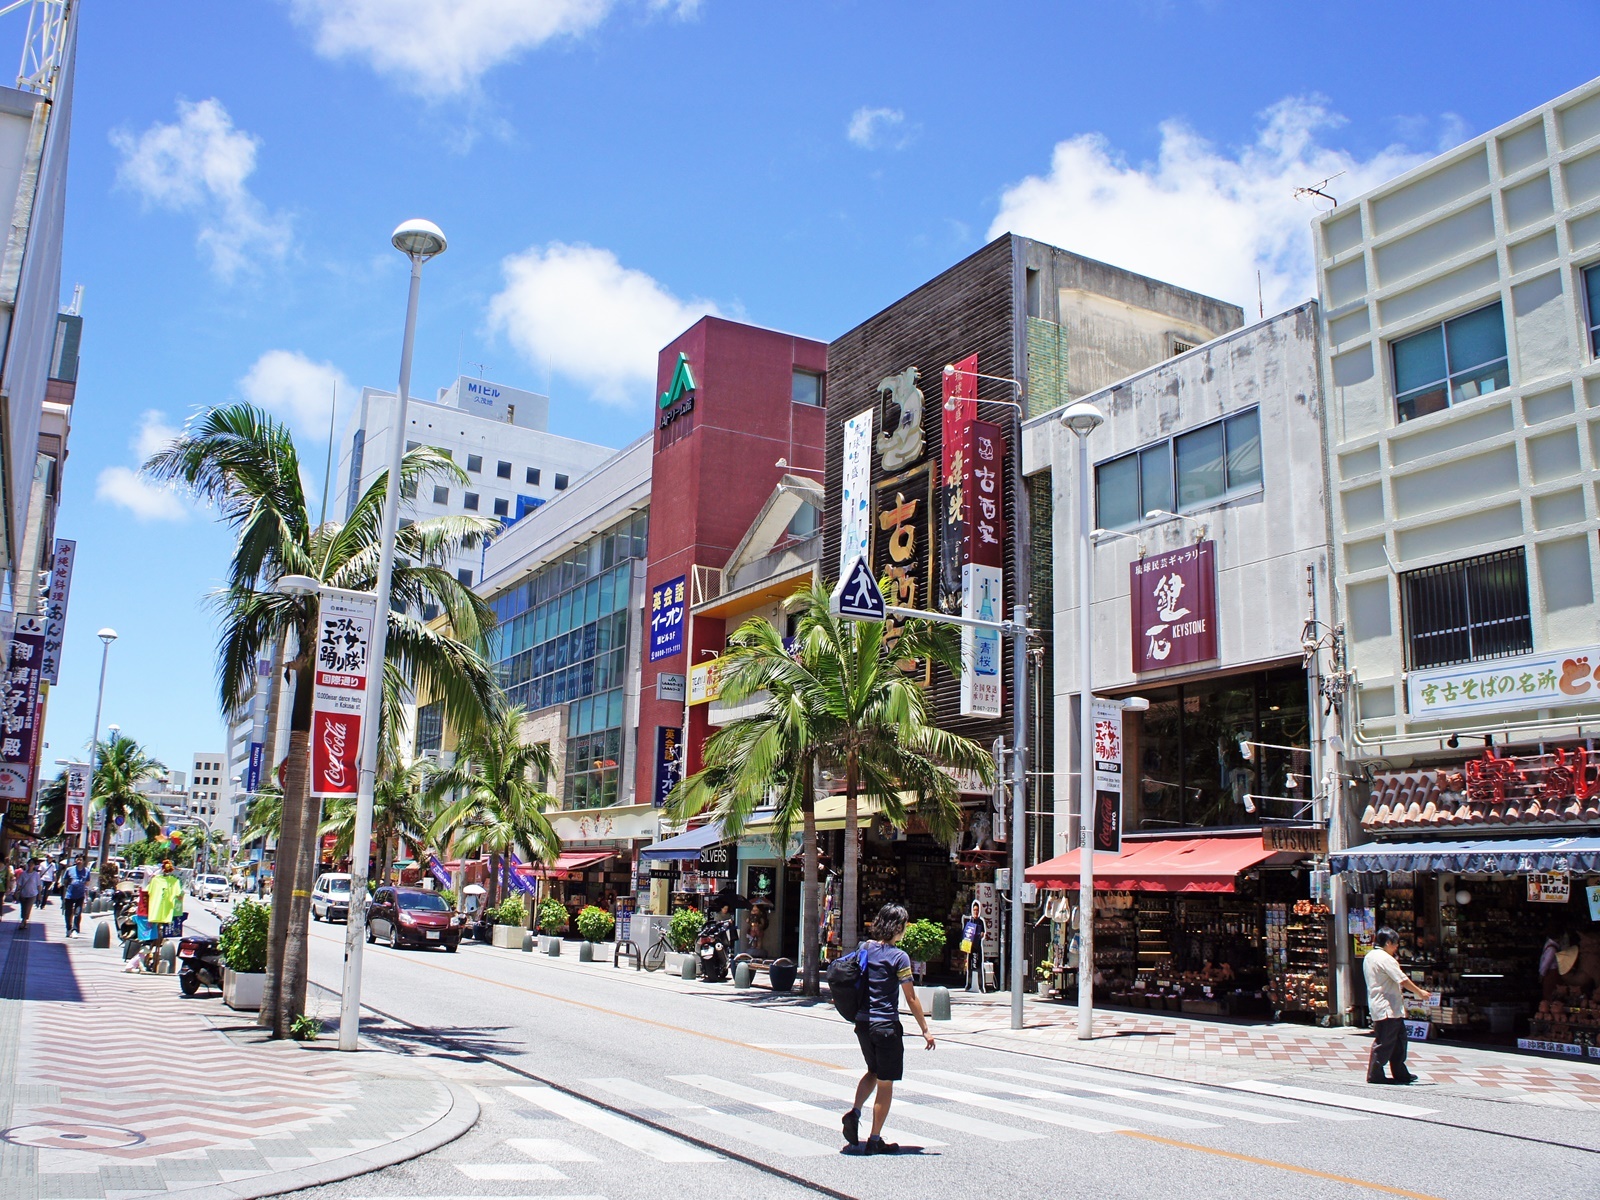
(106, 636)
(419, 241)
(1083, 419)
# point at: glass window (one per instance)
(561, 483)
(806, 388)
(441, 495)
(1201, 466)
(1117, 493)
(1243, 434)
(1155, 479)
(408, 489)
(533, 475)
(502, 508)
(1469, 610)
(410, 446)
(1458, 360)
(1591, 290)
(806, 522)
(502, 470)
(474, 462)
(464, 575)
(470, 499)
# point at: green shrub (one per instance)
(305, 1029)
(448, 896)
(595, 924)
(513, 910)
(243, 940)
(552, 917)
(923, 940)
(684, 929)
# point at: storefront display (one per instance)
(1298, 941)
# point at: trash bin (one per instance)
(1503, 1017)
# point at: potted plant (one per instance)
(924, 941)
(683, 931)
(553, 918)
(243, 942)
(595, 924)
(508, 917)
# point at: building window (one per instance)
(410, 446)
(406, 522)
(806, 522)
(475, 462)
(408, 489)
(464, 576)
(1034, 289)
(430, 612)
(561, 483)
(430, 728)
(1591, 290)
(441, 495)
(503, 470)
(502, 508)
(1452, 362)
(805, 387)
(470, 499)
(533, 475)
(1466, 611)
(1198, 468)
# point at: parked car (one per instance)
(412, 916)
(330, 898)
(211, 887)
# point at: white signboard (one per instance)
(1107, 747)
(1553, 679)
(339, 690)
(55, 610)
(981, 655)
(670, 687)
(855, 519)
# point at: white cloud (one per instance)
(1200, 217)
(439, 48)
(878, 128)
(289, 385)
(579, 310)
(126, 488)
(200, 164)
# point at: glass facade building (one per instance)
(563, 638)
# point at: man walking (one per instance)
(27, 890)
(1387, 984)
(47, 881)
(75, 889)
(887, 973)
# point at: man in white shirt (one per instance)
(1387, 984)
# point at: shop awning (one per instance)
(1200, 864)
(829, 813)
(684, 846)
(567, 863)
(1505, 856)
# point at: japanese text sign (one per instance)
(55, 610)
(986, 523)
(339, 690)
(1547, 680)
(959, 410)
(855, 519)
(1107, 776)
(19, 708)
(667, 610)
(1174, 599)
(669, 760)
(903, 558)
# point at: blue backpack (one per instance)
(847, 983)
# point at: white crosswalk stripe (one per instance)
(1068, 1101)
(1286, 1108)
(1216, 1110)
(798, 1109)
(509, 1172)
(924, 1087)
(619, 1129)
(549, 1150)
(769, 1139)
(1371, 1104)
(908, 1110)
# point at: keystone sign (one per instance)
(1174, 598)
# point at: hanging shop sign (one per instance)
(983, 575)
(903, 553)
(1549, 887)
(19, 709)
(667, 611)
(959, 410)
(669, 760)
(55, 609)
(678, 400)
(1107, 776)
(705, 680)
(1592, 894)
(340, 673)
(77, 796)
(716, 862)
(855, 510)
(1174, 599)
(900, 433)
(671, 687)
(1548, 680)
(1295, 839)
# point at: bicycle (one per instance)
(656, 957)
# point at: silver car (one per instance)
(330, 899)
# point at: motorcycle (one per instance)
(199, 963)
(715, 950)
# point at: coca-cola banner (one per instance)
(339, 696)
(1174, 598)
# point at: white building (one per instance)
(210, 790)
(497, 434)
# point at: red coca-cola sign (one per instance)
(1174, 597)
(335, 753)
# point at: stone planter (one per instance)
(507, 937)
(781, 974)
(685, 966)
(242, 990)
(550, 945)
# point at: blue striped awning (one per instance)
(685, 846)
(1504, 856)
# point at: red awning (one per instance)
(567, 864)
(1199, 864)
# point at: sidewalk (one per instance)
(115, 1085)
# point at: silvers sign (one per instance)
(1174, 599)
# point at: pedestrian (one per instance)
(1387, 984)
(75, 888)
(886, 973)
(27, 890)
(972, 931)
(47, 881)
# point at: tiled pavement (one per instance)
(114, 1085)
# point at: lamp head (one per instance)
(1135, 704)
(1247, 750)
(949, 370)
(298, 585)
(1082, 418)
(418, 239)
(107, 635)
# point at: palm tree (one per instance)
(399, 813)
(263, 816)
(121, 765)
(841, 702)
(243, 462)
(53, 807)
(496, 803)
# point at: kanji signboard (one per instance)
(669, 760)
(667, 611)
(855, 484)
(983, 575)
(55, 611)
(1548, 680)
(1107, 776)
(1174, 598)
(19, 708)
(339, 692)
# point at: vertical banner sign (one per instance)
(55, 609)
(960, 409)
(19, 707)
(669, 760)
(339, 692)
(77, 796)
(255, 763)
(983, 576)
(1107, 776)
(1174, 598)
(855, 510)
(903, 561)
(666, 618)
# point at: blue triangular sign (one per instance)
(857, 596)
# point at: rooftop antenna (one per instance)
(483, 368)
(327, 475)
(75, 309)
(1319, 190)
(46, 41)
(1261, 304)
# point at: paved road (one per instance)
(615, 1085)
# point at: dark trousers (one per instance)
(72, 910)
(1388, 1047)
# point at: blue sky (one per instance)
(609, 170)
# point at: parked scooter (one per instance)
(199, 963)
(715, 950)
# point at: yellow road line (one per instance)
(1280, 1166)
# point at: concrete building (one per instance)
(497, 434)
(210, 791)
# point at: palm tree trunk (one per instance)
(296, 867)
(850, 918)
(809, 967)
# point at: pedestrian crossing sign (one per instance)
(857, 596)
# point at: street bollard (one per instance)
(585, 951)
(690, 967)
(941, 1004)
(741, 975)
(102, 935)
(552, 947)
(527, 942)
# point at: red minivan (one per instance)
(407, 916)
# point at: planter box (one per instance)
(685, 966)
(508, 937)
(243, 990)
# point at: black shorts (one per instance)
(883, 1050)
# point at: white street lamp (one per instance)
(419, 241)
(106, 636)
(1083, 419)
